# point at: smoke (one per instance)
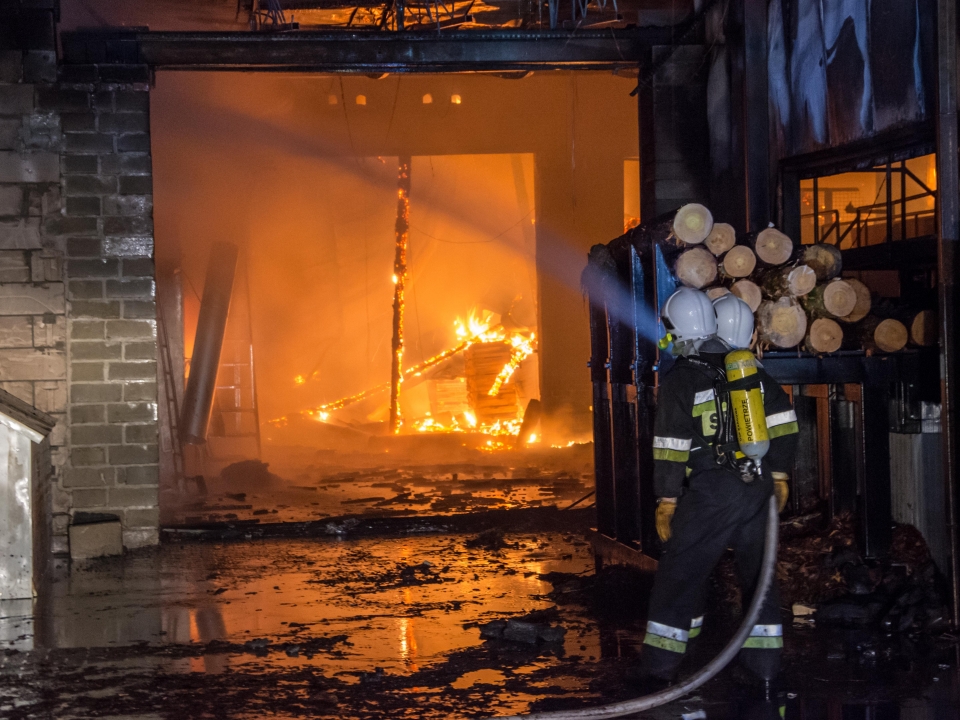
(602, 282)
(309, 188)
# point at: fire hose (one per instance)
(648, 702)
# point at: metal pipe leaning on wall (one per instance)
(648, 702)
(214, 306)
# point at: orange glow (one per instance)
(522, 349)
(477, 327)
(399, 287)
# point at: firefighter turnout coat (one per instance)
(716, 510)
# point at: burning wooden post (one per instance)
(399, 280)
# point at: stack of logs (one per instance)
(796, 292)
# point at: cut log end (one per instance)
(839, 298)
(864, 302)
(692, 223)
(795, 281)
(825, 260)
(739, 261)
(782, 323)
(825, 336)
(773, 247)
(890, 335)
(721, 238)
(924, 331)
(801, 280)
(715, 292)
(696, 268)
(749, 292)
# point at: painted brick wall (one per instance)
(77, 313)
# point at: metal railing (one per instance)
(891, 214)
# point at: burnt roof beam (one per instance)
(368, 52)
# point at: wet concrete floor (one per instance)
(306, 485)
(389, 627)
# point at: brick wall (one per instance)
(77, 313)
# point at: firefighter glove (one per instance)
(781, 489)
(665, 510)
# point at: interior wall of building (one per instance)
(277, 162)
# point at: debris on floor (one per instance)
(408, 626)
(531, 629)
(823, 578)
(491, 539)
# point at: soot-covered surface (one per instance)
(391, 628)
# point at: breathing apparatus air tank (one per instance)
(747, 406)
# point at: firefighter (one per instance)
(711, 496)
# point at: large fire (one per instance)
(478, 328)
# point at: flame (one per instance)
(467, 423)
(477, 327)
(522, 349)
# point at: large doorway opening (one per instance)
(349, 383)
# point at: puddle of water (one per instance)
(417, 622)
(403, 603)
(478, 677)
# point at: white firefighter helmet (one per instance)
(688, 316)
(734, 321)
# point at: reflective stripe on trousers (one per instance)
(696, 625)
(765, 637)
(666, 637)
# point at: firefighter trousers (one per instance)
(718, 511)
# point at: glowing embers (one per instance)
(476, 392)
(502, 432)
(522, 349)
(481, 329)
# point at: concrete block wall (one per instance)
(110, 289)
(77, 312)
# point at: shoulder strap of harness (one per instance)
(725, 444)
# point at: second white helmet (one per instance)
(688, 315)
(734, 321)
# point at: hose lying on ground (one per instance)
(647, 702)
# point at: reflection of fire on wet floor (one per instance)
(396, 627)
(333, 612)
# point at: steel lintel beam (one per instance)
(376, 52)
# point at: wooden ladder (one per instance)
(170, 391)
